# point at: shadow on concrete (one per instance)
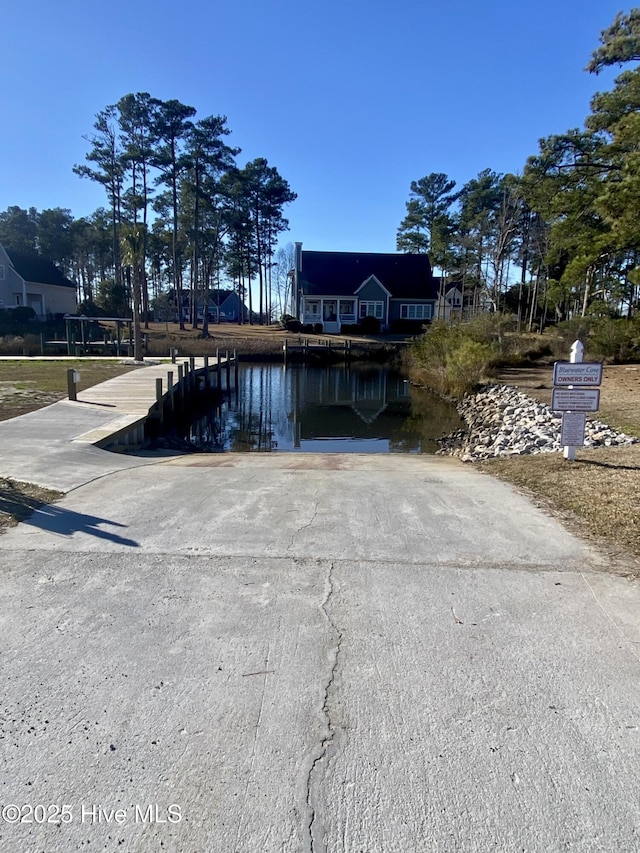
(65, 522)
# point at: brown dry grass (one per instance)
(598, 495)
(18, 500)
(29, 385)
(249, 341)
(619, 393)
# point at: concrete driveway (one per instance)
(313, 653)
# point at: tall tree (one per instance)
(136, 117)
(619, 43)
(284, 265)
(480, 199)
(55, 237)
(133, 242)
(19, 229)
(427, 219)
(266, 192)
(170, 129)
(108, 170)
(209, 157)
(240, 255)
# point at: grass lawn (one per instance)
(30, 384)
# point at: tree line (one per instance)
(181, 215)
(561, 239)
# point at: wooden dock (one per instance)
(148, 393)
(323, 347)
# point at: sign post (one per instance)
(577, 351)
(576, 391)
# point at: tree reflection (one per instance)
(345, 408)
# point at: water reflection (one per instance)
(350, 408)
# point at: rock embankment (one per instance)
(502, 421)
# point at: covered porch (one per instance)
(330, 311)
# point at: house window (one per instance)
(371, 309)
(416, 312)
(312, 307)
(346, 307)
(1, 272)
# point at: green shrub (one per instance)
(564, 334)
(614, 341)
(490, 327)
(448, 360)
(609, 339)
(466, 366)
(22, 314)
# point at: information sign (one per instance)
(575, 399)
(573, 425)
(587, 373)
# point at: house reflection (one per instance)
(350, 408)
(359, 407)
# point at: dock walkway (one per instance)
(140, 394)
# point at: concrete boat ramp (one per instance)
(293, 652)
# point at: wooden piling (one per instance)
(172, 401)
(159, 403)
(71, 384)
(181, 385)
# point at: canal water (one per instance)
(356, 408)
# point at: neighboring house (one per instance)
(453, 296)
(224, 307)
(449, 303)
(35, 282)
(338, 288)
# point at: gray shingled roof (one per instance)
(37, 269)
(341, 273)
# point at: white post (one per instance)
(577, 349)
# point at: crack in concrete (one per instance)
(306, 526)
(328, 740)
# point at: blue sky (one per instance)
(350, 100)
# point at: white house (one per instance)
(35, 282)
(449, 304)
